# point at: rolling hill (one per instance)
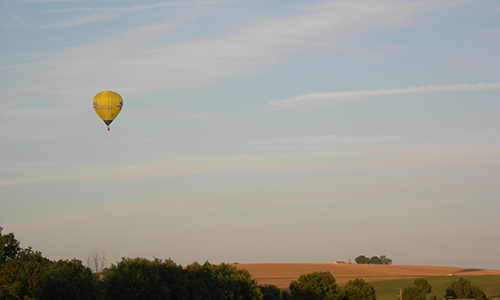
(281, 275)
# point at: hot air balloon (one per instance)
(107, 105)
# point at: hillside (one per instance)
(281, 275)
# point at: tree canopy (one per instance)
(463, 288)
(417, 292)
(9, 246)
(358, 289)
(315, 286)
(374, 260)
(27, 274)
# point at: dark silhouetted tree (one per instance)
(358, 289)
(315, 286)
(139, 278)
(68, 280)
(374, 260)
(385, 261)
(222, 282)
(362, 260)
(20, 277)
(417, 292)
(270, 292)
(463, 288)
(9, 247)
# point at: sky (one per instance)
(253, 131)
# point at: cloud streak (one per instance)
(315, 99)
(323, 142)
(94, 14)
(162, 63)
(378, 158)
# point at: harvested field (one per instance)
(281, 275)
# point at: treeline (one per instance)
(460, 289)
(31, 276)
(26, 274)
(374, 260)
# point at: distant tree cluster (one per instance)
(374, 260)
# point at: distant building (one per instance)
(339, 262)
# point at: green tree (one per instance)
(68, 280)
(20, 277)
(315, 286)
(198, 282)
(9, 247)
(222, 282)
(362, 260)
(385, 261)
(463, 288)
(31, 276)
(423, 286)
(286, 294)
(417, 292)
(270, 292)
(358, 289)
(374, 260)
(140, 278)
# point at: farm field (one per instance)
(281, 275)
(389, 289)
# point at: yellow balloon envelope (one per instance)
(107, 105)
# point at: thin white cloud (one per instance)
(376, 158)
(52, 1)
(313, 99)
(324, 142)
(151, 62)
(82, 20)
(105, 13)
(124, 8)
(327, 139)
(82, 14)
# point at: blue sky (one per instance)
(253, 131)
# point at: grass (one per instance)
(389, 289)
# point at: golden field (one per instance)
(281, 275)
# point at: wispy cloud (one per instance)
(323, 142)
(375, 158)
(133, 8)
(327, 139)
(161, 60)
(313, 99)
(51, 1)
(82, 13)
